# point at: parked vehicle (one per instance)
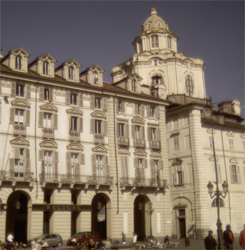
(53, 240)
(83, 237)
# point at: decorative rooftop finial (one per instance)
(153, 11)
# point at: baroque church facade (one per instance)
(135, 155)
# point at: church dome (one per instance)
(154, 22)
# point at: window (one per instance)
(176, 143)
(215, 203)
(124, 168)
(152, 111)
(48, 164)
(156, 80)
(169, 42)
(20, 90)
(139, 109)
(133, 85)
(121, 129)
(153, 134)
(155, 171)
(218, 172)
(71, 73)
(19, 116)
(19, 164)
(231, 146)
(137, 132)
(73, 99)
(46, 94)
(155, 62)
(97, 102)
(121, 106)
(178, 175)
(99, 165)
(74, 123)
(189, 85)
(98, 127)
(74, 163)
(18, 62)
(140, 46)
(149, 25)
(47, 120)
(210, 141)
(45, 68)
(154, 42)
(235, 174)
(140, 164)
(95, 78)
(100, 168)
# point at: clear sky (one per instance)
(101, 32)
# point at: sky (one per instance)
(102, 32)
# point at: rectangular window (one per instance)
(99, 165)
(48, 164)
(137, 132)
(133, 85)
(153, 134)
(47, 117)
(120, 106)
(19, 116)
(218, 172)
(152, 111)
(235, 174)
(98, 127)
(19, 90)
(176, 143)
(97, 103)
(169, 42)
(178, 175)
(231, 145)
(19, 165)
(74, 125)
(46, 94)
(73, 99)
(74, 162)
(210, 142)
(154, 42)
(121, 129)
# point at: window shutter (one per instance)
(152, 170)
(43, 169)
(145, 163)
(123, 167)
(161, 164)
(93, 160)
(81, 159)
(106, 167)
(149, 133)
(142, 173)
(68, 97)
(27, 153)
(11, 167)
(80, 99)
(92, 101)
(142, 110)
(13, 89)
(92, 126)
(55, 117)
(123, 107)
(55, 158)
(68, 165)
(81, 124)
(12, 113)
(157, 112)
(175, 177)
(133, 131)
(16, 153)
(41, 93)
(104, 124)
(182, 178)
(238, 174)
(68, 157)
(40, 122)
(232, 175)
(27, 117)
(142, 132)
(27, 161)
(148, 111)
(126, 126)
(118, 132)
(28, 91)
(41, 155)
(136, 108)
(136, 165)
(104, 104)
(137, 173)
(50, 94)
(77, 170)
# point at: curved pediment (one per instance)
(230, 134)
(75, 146)
(177, 161)
(212, 158)
(233, 160)
(243, 136)
(138, 119)
(49, 107)
(48, 143)
(74, 111)
(99, 114)
(20, 141)
(100, 149)
(20, 103)
(96, 68)
(140, 152)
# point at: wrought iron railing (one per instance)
(16, 176)
(155, 144)
(123, 141)
(139, 143)
(98, 138)
(146, 182)
(74, 135)
(19, 129)
(48, 133)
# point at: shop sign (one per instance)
(50, 208)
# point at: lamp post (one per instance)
(150, 211)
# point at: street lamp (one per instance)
(150, 211)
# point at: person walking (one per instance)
(209, 241)
(123, 238)
(228, 238)
(242, 238)
(134, 238)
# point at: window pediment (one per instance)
(19, 141)
(243, 136)
(177, 161)
(20, 103)
(73, 63)
(19, 51)
(156, 155)
(230, 134)
(212, 158)
(140, 153)
(75, 146)
(47, 57)
(74, 111)
(99, 114)
(100, 149)
(48, 107)
(96, 68)
(233, 160)
(49, 144)
(138, 119)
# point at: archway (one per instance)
(141, 218)
(100, 215)
(17, 216)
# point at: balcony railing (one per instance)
(74, 135)
(155, 144)
(99, 138)
(139, 143)
(19, 129)
(16, 176)
(143, 182)
(48, 133)
(123, 141)
(48, 178)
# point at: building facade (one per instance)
(81, 154)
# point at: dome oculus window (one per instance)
(189, 85)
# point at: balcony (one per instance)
(74, 135)
(155, 144)
(19, 129)
(123, 141)
(12, 176)
(139, 143)
(48, 133)
(48, 178)
(99, 138)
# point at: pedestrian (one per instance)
(91, 244)
(228, 238)
(123, 238)
(209, 241)
(108, 244)
(134, 238)
(10, 238)
(242, 238)
(167, 242)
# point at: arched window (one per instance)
(189, 85)
(154, 42)
(156, 80)
(18, 62)
(221, 203)
(71, 73)
(169, 42)
(95, 78)
(45, 68)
